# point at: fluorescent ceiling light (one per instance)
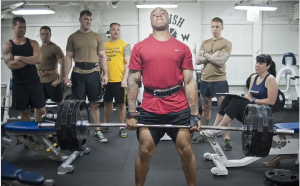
(155, 5)
(33, 11)
(252, 6)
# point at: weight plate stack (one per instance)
(69, 135)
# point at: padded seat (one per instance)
(31, 178)
(292, 126)
(30, 126)
(9, 171)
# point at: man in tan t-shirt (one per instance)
(214, 53)
(47, 70)
(84, 46)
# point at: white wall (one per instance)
(270, 35)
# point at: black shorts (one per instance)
(175, 118)
(209, 89)
(114, 90)
(87, 85)
(25, 95)
(53, 93)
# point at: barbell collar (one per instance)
(283, 131)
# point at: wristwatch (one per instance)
(203, 53)
(133, 115)
(253, 100)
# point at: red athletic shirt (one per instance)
(161, 63)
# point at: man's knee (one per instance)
(94, 105)
(146, 149)
(121, 106)
(108, 104)
(41, 111)
(186, 152)
(25, 112)
(145, 154)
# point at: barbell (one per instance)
(73, 127)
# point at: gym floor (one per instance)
(112, 163)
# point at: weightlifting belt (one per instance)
(85, 66)
(164, 92)
(47, 72)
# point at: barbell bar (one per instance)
(85, 123)
(73, 127)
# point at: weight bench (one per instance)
(287, 147)
(35, 138)
(14, 176)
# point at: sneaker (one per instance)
(104, 129)
(199, 139)
(227, 146)
(100, 136)
(123, 132)
(212, 133)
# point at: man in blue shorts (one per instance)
(214, 53)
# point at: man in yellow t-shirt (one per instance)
(118, 56)
(84, 46)
(214, 53)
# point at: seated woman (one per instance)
(263, 91)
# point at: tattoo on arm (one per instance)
(191, 91)
(127, 50)
(134, 78)
(220, 60)
(200, 59)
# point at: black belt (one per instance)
(164, 92)
(85, 66)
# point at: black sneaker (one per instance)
(199, 139)
(227, 146)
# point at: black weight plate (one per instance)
(280, 102)
(282, 177)
(69, 136)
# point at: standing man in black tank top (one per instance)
(21, 55)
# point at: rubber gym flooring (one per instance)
(112, 163)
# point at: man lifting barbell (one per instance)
(164, 63)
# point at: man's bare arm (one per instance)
(103, 61)
(134, 78)
(68, 63)
(61, 61)
(217, 60)
(9, 59)
(191, 90)
(127, 53)
(37, 55)
(200, 59)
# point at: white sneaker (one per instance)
(212, 133)
(100, 137)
